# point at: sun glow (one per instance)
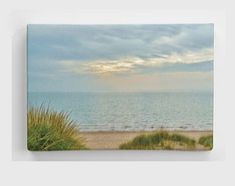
(131, 64)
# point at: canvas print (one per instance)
(121, 87)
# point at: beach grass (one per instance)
(159, 140)
(206, 141)
(50, 130)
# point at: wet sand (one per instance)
(111, 140)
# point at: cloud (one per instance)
(73, 53)
(97, 42)
(136, 64)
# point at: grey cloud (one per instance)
(114, 41)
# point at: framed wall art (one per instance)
(120, 87)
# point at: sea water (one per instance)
(131, 111)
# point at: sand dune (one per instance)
(112, 140)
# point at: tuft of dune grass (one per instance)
(206, 141)
(50, 130)
(161, 140)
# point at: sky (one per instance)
(120, 58)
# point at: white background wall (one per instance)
(197, 170)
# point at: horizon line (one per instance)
(178, 91)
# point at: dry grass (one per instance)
(160, 140)
(51, 130)
(206, 141)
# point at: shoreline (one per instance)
(110, 140)
(147, 131)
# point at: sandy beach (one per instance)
(112, 140)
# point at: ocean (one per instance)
(131, 111)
